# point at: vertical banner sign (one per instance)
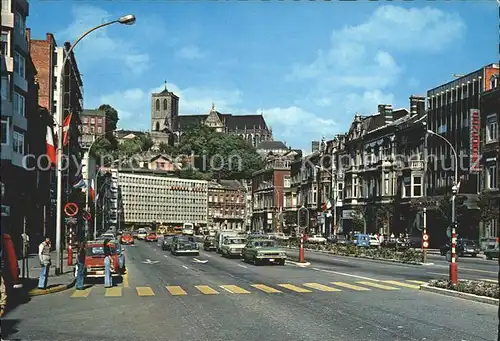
(475, 129)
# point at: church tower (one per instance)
(164, 111)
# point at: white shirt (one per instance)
(40, 250)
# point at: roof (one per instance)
(93, 112)
(232, 122)
(228, 184)
(272, 145)
(120, 133)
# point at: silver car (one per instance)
(233, 246)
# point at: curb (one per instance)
(53, 290)
(296, 263)
(458, 294)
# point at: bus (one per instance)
(188, 229)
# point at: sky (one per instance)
(309, 67)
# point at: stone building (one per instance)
(226, 205)
(93, 125)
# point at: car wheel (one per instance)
(282, 262)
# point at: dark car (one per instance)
(184, 245)
(464, 247)
(209, 244)
(168, 242)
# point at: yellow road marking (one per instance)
(206, 290)
(176, 291)
(417, 282)
(265, 288)
(144, 291)
(350, 286)
(376, 285)
(294, 288)
(81, 293)
(401, 284)
(125, 280)
(321, 287)
(234, 289)
(113, 292)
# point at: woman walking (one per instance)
(80, 274)
(108, 281)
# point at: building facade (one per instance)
(93, 125)
(226, 205)
(148, 197)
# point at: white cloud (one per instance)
(190, 52)
(100, 45)
(359, 69)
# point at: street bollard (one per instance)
(301, 249)
(70, 247)
(453, 264)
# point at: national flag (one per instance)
(326, 206)
(92, 190)
(51, 148)
(80, 184)
(66, 124)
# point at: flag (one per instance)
(51, 148)
(80, 184)
(326, 206)
(66, 124)
(92, 191)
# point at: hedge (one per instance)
(480, 288)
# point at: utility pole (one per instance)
(424, 249)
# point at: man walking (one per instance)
(45, 262)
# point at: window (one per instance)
(165, 104)
(92, 130)
(18, 142)
(340, 191)
(99, 130)
(287, 182)
(19, 24)
(386, 183)
(491, 128)
(19, 107)
(417, 186)
(407, 187)
(5, 43)
(20, 65)
(85, 120)
(5, 87)
(157, 105)
(5, 131)
(492, 177)
(92, 120)
(493, 82)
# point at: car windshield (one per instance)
(265, 243)
(99, 250)
(469, 242)
(185, 239)
(236, 241)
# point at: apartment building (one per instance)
(154, 196)
(226, 205)
(93, 125)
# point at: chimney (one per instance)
(386, 111)
(417, 105)
(315, 146)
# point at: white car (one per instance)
(374, 241)
(316, 239)
(141, 234)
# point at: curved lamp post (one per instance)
(126, 20)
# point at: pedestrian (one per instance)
(45, 262)
(80, 265)
(108, 281)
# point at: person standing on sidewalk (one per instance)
(45, 262)
(108, 280)
(80, 264)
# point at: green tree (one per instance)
(384, 216)
(359, 218)
(488, 208)
(146, 142)
(111, 117)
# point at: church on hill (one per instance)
(167, 125)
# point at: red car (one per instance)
(94, 259)
(151, 237)
(126, 239)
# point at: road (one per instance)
(178, 298)
(468, 267)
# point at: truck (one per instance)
(219, 238)
(188, 229)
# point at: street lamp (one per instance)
(333, 188)
(126, 20)
(455, 188)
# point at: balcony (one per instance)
(7, 19)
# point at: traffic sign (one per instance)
(70, 220)
(448, 232)
(425, 245)
(86, 215)
(71, 209)
(425, 237)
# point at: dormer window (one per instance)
(494, 81)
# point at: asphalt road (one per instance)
(164, 297)
(468, 267)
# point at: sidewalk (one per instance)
(55, 283)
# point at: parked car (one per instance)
(185, 245)
(151, 237)
(464, 247)
(167, 243)
(316, 239)
(374, 241)
(492, 253)
(209, 244)
(233, 246)
(261, 251)
(94, 259)
(126, 239)
(361, 240)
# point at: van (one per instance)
(361, 240)
(219, 238)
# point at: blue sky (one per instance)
(309, 67)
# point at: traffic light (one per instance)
(303, 217)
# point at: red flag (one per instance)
(67, 122)
(92, 190)
(51, 149)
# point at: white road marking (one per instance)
(469, 269)
(208, 256)
(165, 256)
(349, 275)
(242, 266)
(200, 261)
(227, 289)
(437, 273)
(185, 267)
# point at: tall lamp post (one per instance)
(455, 188)
(126, 20)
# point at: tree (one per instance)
(111, 117)
(488, 208)
(146, 142)
(359, 218)
(384, 216)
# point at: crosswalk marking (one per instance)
(376, 285)
(321, 287)
(144, 291)
(417, 282)
(113, 292)
(234, 289)
(294, 288)
(350, 286)
(265, 288)
(401, 284)
(81, 293)
(206, 290)
(176, 291)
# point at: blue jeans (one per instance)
(80, 276)
(108, 281)
(44, 277)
